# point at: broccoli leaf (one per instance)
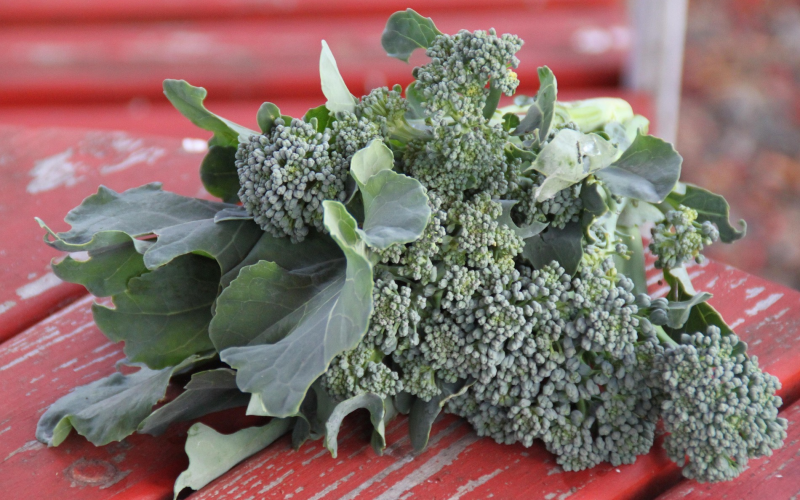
(137, 212)
(647, 170)
(333, 86)
(564, 246)
(113, 261)
(266, 116)
(163, 315)
(212, 454)
(634, 266)
(371, 402)
(395, 206)
(710, 207)
(207, 392)
(523, 232)
(407, 31)
(539, 117)
(219, 175)
(189, 101)
(108, 409)
(701, 314)
(228, 242)
(569, 158)
(637, 213)
(323, 116)
(678, 311)
(423, 413)
(330, 323)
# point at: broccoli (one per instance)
(680, 238)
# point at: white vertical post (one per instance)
(656, 58)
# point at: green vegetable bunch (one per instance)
(416, 250)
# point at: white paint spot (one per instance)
(555, 470)
(52, 172)
(472, 484)
(145, 155)
(5, 430)
(550, 496)
(713, 282)
(31, 276)
(39, 286)
(332, 487)
(654, 279)
(5, 306)
(321, 453)
(738, 283)
(276, 482)
(763, 305)
(753, 292)
(429, 468)
(192, 145)
(736, 323)
(29, 446)
(96, 360)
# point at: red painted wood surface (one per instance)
(47, 171)
(149, 10)
(774, 477)
(159, 117)
(266, 58)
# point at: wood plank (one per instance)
(267, 59)
(150, 10)
(458, 465)
(160, 118)
(44, 173)
(774, 477)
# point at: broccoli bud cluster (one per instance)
(680, 238)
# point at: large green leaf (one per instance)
(423, 413)
(113, 261)
(228, 242)
(189, 101)
(701, 314)
(395, 206)
(564, 246)
(647, 170)
(219, 175)
(212, 454)
(371, 402)
(163, 316)
(710, 207)
(407, 31)
(207, 392)
(137, 212)
(540, 115)
(569, 158)
(333, 86)
(108, 409)
(332, 322)
(251, 308)
(321, 114)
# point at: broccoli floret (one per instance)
(561, 209)
(720, 409)
(387, 109)
(680, 238)
(360, 371)
(286, 175)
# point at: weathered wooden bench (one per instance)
(51, 345)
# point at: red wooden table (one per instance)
(62, 348)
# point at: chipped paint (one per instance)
(712, 282)
(39, 286)
(193, 145)
(751, 293)
(146, 155)
(5, 306)
(736, 323)
(763, 305)
(472, 484)
(275, 482)
(29, 446)
(53, 172)
(331, 487)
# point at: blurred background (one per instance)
(730, 97)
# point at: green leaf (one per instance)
(403, 402)
(701, 315)
(710, 207)
(321, 114)
(163, 316)
(492, 100)
(569, 158)
(227, 242)
(251, 307)
(330, 323)
(113, 261)
(395, 206)
(564, 246)
(372, 402)
(207, 392)
(212, 454)
(678, 311)
(232, 213)
(423, 413)
(189, 101)
(137, 212)
(266, 116)
(407, 31)
(647, 170)
(637, 213)
(414, 99)
(219, 175)
(333, 86)
(539, 117)
(108, 409)
(523, 232)
(632, 267)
